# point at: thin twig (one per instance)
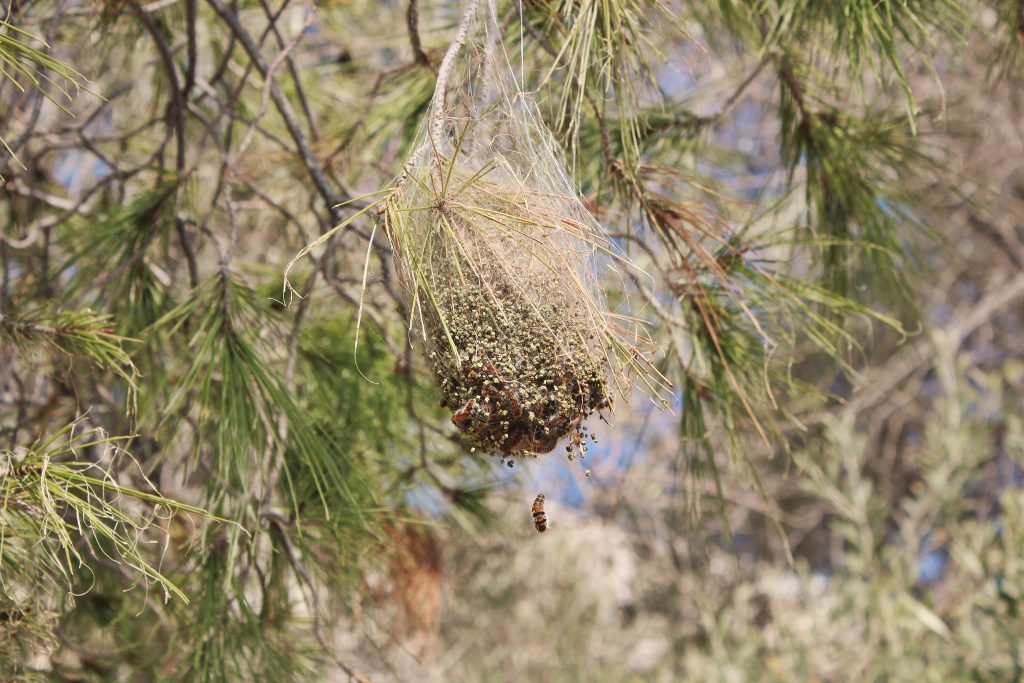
(300, 92)
(412, 18)
(736, 95)
(177, 101)
(178, 95)
(190, 52)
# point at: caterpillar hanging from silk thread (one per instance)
(540, 520)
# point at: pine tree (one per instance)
(203, 477)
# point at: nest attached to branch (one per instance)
(503, 266)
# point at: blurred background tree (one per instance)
(202, 483)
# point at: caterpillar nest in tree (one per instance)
(509, 309)
(503, 266)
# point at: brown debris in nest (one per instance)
(526, 373)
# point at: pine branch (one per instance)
(79, 334)
(61, 512)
